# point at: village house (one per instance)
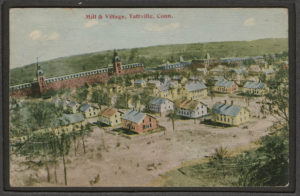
(224, 86)
(138, 122)
(89, 110)
(140, 83)
(115, 89)
(64, 104)
(218, 71)
(154, 83)
(230, 114)
(254, 69)
(161, 105)
(180, 79)
(252, 79)
(111, 116)
(254, 88)
(202, 71)
(164, 78)
(65, 124)
(163, 91)
(269, 72)
(70, 122)
(195, 90)
(73, 106)
(196, 79)
(191, 109)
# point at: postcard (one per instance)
(149, 97)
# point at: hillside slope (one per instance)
(150, 56)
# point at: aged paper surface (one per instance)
(185, 97)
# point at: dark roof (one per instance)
(193, 86)
(226, 109)
(224, 83)
(255, 85)
(189, 104)
(108, 112)
(67, 119)
(85, 107)
(72, 104)
(158, 101)
(134, 116)
(139, 81)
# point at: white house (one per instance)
(161, 105)
(90, 110)
(191, 109)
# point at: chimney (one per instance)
(231, 102)
(225, 101)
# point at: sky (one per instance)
(49, 33)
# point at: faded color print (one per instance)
(189, 97)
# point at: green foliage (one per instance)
(249, 62)
(150, 57)
(43, 114)
(81, 94)
(122, 100)
(268, 165)
(278, 95)
(101, 98)
(265, 166)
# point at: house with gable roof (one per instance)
(89, 110)
(195, 90)
(138, 121)
(230, 114)
(254, 88)
(73, 106)
(191, 109)
(164, 91)
(111, 116)
(161, 105)
(225, 86)
(140, 83)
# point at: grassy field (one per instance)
(150, 56)
(262, 163)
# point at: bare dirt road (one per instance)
(120, 161)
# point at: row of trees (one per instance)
(48, 148)
(44, 149)
(269, 164)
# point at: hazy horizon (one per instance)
(51, 33)
(60, 57)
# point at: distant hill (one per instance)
(150, 56)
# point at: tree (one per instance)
(218, 157)
(268, 165)
(135, 100)
(278, 95)
(262, 77)
(43, 114)
(64, 143)
(122, 100)
(101, 98)
(38, 149)
(127, 81)
(248, 97)
(172, 117)
(81, 94)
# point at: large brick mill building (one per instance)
(75, 80)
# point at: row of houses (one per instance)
(252, 70)
(195, 90)
(139, 122)
(221, 112)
